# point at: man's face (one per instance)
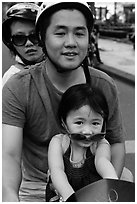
(29, 51)
(66, 39)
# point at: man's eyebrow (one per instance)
(60, 27)
(65, 27)
(81, 28)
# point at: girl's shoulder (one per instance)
(103, 141)
(61, 139)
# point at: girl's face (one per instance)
(84, 120)
(29, 51)
(66, 39)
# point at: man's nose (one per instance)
(70, 41)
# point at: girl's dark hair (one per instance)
(80, 95)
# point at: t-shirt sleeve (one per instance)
(13, 102)
(9, 73)
(115, 128)
(115, 132)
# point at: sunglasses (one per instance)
(87, 137)
(20, 40)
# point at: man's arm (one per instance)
(118, 157)
(11, 162)
(115, 130)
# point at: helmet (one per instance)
(47, 9)
(18, 11)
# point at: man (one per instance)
(31, 98)
(18, 34)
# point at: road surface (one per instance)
(121, 56)
(117, 54)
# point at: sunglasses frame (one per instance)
(87, 137)
(29, 37)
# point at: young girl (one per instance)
(82, 155)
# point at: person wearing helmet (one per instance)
(31, 99)
(18, 34)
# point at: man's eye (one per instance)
(60, 33)
(80, 34)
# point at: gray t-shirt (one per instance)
(30, 101)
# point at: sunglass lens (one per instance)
(77, 136)
(98, 137)
(95, 137)
(33, 38)
(19, 40)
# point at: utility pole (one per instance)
(115, 13)
(92, 6)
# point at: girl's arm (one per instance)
(56, 167)
(103, 160)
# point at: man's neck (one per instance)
(62, 81)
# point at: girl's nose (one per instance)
(87, 131)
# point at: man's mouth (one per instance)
(70, 54)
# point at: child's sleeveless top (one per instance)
(79, 175)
